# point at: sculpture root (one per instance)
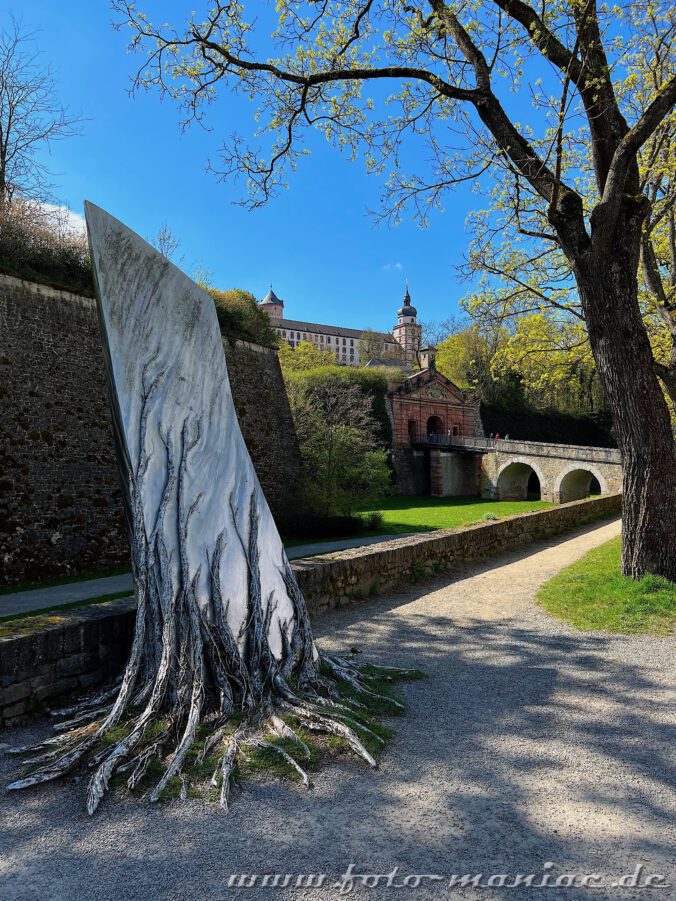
(194, 690)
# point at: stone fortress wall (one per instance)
(60, 501)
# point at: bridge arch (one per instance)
(514, 476)
(574, 482)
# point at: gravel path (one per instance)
(527, 743)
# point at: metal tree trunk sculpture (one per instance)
(221, 625)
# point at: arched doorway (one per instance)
(577, 484)
(435, 426)
(533, 490)
(518, 481)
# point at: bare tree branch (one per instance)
(30, 116)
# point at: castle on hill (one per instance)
(400, 347)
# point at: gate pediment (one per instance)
(437, 389)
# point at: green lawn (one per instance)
(424, 514)
(592, 594)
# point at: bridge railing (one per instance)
(513, 446)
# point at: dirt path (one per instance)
(528, 743)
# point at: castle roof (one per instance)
(271, 297)
(317, 328)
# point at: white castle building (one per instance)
(402, 344)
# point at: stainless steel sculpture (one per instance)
(221, 622)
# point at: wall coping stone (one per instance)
(47, 291)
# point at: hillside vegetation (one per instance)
(37, 245)
(240, 317)
(523, 422)
(372, 383)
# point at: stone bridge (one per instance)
(515, 469)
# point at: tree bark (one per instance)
(606, 274)
(667, 375)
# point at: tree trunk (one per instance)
(607, 280)
(667, 375)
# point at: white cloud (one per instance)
(398, 267)
(73, 222)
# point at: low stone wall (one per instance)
(348, 576)
(74, 650)
(61, 653)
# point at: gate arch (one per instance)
(513, 477)
(435, 425)
(574, 481)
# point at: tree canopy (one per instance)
(304, 356)
(555, 104)
(340, 441)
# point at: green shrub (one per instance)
(373, 521)
(310, 526)
(340, 444)
(240, 317)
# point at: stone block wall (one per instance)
(454, 474)
(264, 415)
(412, 469)
(71, 651)
(60, 502)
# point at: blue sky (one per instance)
(315, 242)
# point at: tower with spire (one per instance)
(407, 332)
(273, 305)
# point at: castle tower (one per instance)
(273, 305)
(407, 332)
